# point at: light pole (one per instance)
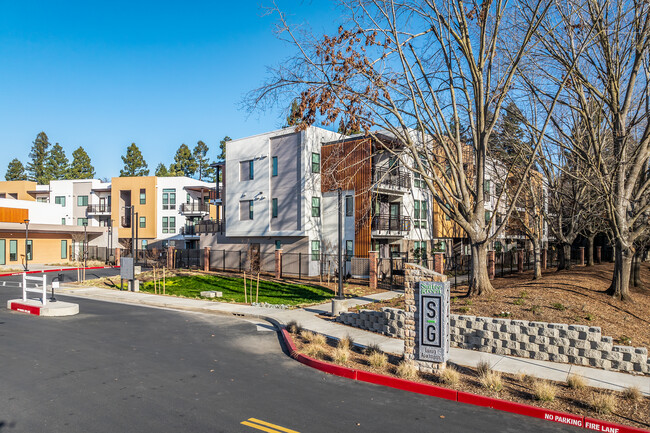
(85, 244)
(26, 243)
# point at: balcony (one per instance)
(395, 179)
(98, 209)
(386, 226)
(188, 230)
(125, 222)
(210, 227)
(195, 208)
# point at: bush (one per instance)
(313, 350)
(373, 348)
(319, 339)
(558, 306)
(603, 403)
(308, 336)
(341, 355)
(535, 309)
(377, 360)
(632, 393)
(311, 337)
(543, 390)
(450, 376)
(483, 368)
(406, 370)
(524, 378)
(293, 327)
(575, 381)
(345, 343)
(492, 381)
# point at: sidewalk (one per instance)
(308, 319)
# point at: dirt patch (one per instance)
(517, 388)
(574, 297)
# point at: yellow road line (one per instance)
(274, 428)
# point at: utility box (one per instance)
(127, 268)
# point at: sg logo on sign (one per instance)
(431, 321)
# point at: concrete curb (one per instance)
(459, 396)
(43, 271)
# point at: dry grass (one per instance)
(377, 360)
(575, 381)
(492, 381)
(450, 376)
(524, 378)
(293, 327)
(544, 391)
(341, 356)
(345, 343)
(603, 403)
(307, 335)
(406, 370)
(632, 393)
(313, 338)
(483, 368)
(373, 348)
(313, 350)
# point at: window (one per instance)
(349, 205)
(315, 250)
(143, 196)
(315, 162)
(245, 210)
(169, 199)
(488, 215)
(30, 248)
(420, 214)
(64, 249)
(60, 199)
(41, 199)
(278, 245)
(62, 221)
(172, 224)
(3, 252)
(82, 221)
(82, 200)
(274, 208)
(394, 250)
(315, 206)
(144, 244)
(165, 225)
(349, 250)
(188, 199)
(13, 250)
(486, 187)
(417, 180)
(250, 209)
(275, 166)
(420, 249)
(246, 170)
(143, 222)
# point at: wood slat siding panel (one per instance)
(348, 165)
(13, 215)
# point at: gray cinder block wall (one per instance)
(574, 344)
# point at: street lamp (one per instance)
(26, 243)
(85, 244)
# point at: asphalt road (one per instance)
(119, 368)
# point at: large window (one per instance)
(82, 221)
(165, 225)
(82, 200)
(246, 210)
(3, 252)
(274, 208)
(60, 199)
(349, 250)
(349, 205)
(246, 170)
(143, 196)
(169, 199)
(13, 250)
(30, 249)
(145, 243)
(143, 222)
(169, 225)
(63, 221)
(275, 165)
(315, 162)
(315, 250)
(41, 199)
(64, 249)
(315, 206)
(420, 249)
(420, 214)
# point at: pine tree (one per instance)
(37, 166)
(81, 167)
(222, 147)
(203, 168)
(184, 163)
(161, 170)
(15, 170)
(295, 114)
(134, 163)
(57, 163)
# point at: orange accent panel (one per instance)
(13, 215)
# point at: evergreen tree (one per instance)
(184, 163)
(81, 167)
(203, 162)
(510, 135)
(134, 163)
(15, 170)
(57, 163)
(222, 147)
(37, 166)
(295, 114)
(161, 170)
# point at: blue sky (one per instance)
(104, 74)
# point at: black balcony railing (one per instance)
(188, 230)
(125, 221)
(392, 178)
(393, 224)
(98, 208)
(195, 208)
(209, 227)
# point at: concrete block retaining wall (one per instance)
(574, 344)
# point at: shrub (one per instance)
(518, 301)
(603, 403)
(558, 306)
(345, 343)
(468, 302)
(373, 348)
(313, 350)
(625, 340)
(575, 381)
(406, 370)
(632, 393)
(308, 336)
(523, 294)
(483, 368)
(524, 378)
(293, 327)
(341, 355)
(377, 360)
(589, 317)
(504, 314)
(450, 376)
(319, 339)
(544, 391)
(535, 309)
(464, 310)
(492, 381)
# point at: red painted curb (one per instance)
(24, 308)
(460, 396)
(407, 385)
(56, 270)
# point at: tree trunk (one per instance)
(590, 250)
(636, 269)
(537, 253)
(479, 279)
(564, 251)
(620, 288)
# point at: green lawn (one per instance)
(233, 290)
